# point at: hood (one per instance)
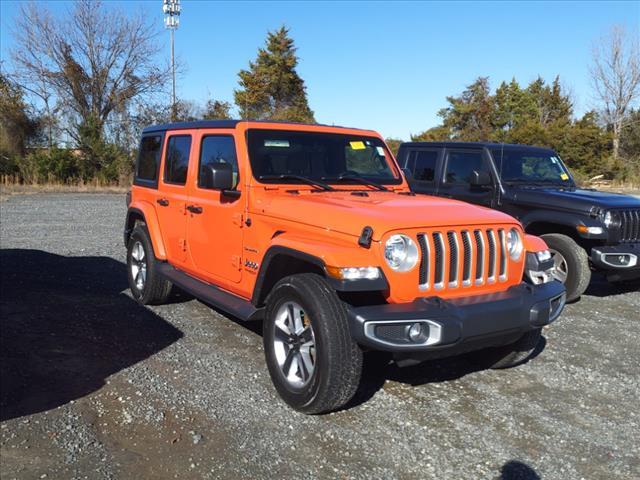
(576, 199)
(383, 211)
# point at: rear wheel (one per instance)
(571, 264)
(313, 362)
(145, 282)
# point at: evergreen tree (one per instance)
(17, 127)
(583, 145)
(216, 110)
(513, 107)
(468, 116)
(539, 114)
(435, 134)
(271, 88)
(16, 124)
(630, 145)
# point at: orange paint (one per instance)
(226, 242)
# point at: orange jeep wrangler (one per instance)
(313, 230)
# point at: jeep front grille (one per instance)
(630, 225)
(456, 259)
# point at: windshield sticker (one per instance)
(564, 176)
(380, 151)
(357, 145)
(277, 143)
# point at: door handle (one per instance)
(194, 209)
(163, 202)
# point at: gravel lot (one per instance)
(95, 386)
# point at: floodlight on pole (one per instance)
(171, 10)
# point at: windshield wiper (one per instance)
(300, 178)
(536, 183)
(358, 179)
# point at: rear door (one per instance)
(215, 221)
(172, 195)
(424, 165)
(458, 166)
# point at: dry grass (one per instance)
(9, 187)
(616, 187)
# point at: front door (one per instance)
(456, 179)
(214, 223)
(172, 196)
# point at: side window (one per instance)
(217, 149)
(461, 164)
(176, 160)
(423, 165)
(149, 159)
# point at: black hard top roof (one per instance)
(473, 144)
(224, 124)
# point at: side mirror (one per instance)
(219, 176)
(480, 179)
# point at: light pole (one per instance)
(171, 10)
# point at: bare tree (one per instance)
(93, 61)
(615, 73)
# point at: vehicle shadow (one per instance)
(378, 368)
(65, 327)
(600, 287)
(516, 470)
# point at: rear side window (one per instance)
(177, 159)
(460, 166)
(217, 149)
(149, 159)
(423, 165)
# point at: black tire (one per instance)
(155, 289)
(515, 353)
(577, 262)
(338, 359)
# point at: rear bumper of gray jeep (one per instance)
(449, 327)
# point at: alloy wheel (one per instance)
(138, 266)
(560, 268)
(294, 344)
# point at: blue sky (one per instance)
(382, 65)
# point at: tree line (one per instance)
(80, 90)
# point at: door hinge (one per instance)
(183, 244)
(235, 261)
(237, 219)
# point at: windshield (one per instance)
(531, 166)
(326, 157)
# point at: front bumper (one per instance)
(454, 326)
(621, 260)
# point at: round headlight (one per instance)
(514, 244)
(401, 253)
(611, 219)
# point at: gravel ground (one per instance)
(95, 386)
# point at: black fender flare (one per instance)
(262, 287)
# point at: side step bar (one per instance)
(210, 294)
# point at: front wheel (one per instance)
(571, 264)
(313, 362)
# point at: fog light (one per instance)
(416, 332)
(543, 255)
